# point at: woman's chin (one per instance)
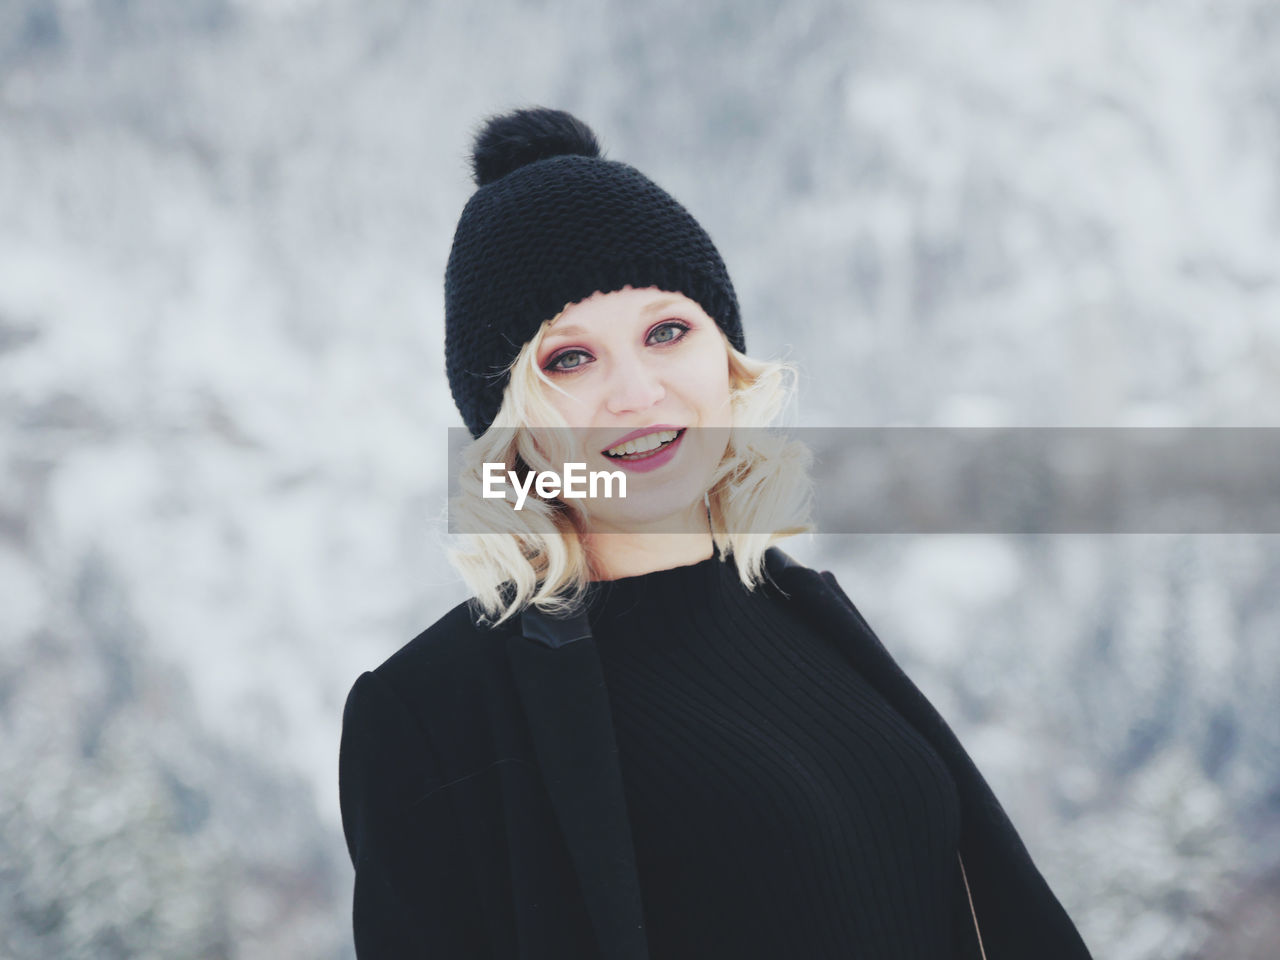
(636, 516)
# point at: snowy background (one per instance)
(223, 230)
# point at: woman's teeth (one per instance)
(643, 444)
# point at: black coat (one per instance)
(484, 810)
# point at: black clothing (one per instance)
(551, 223)
(778, 805)
(486, 812)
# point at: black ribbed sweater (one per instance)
(779, 806)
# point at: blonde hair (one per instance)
(535, 556)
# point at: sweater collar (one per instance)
(556, 667)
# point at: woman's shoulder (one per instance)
(457, 641)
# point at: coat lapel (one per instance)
(1020, 916)
(561, 685)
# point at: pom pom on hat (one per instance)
(521, 137)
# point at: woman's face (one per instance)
(636, 367)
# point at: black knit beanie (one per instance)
(551, 223)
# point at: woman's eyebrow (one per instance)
(659, 305)
(566, 331)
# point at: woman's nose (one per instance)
(633, 386)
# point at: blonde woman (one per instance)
(649, 733)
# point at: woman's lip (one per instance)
(642, 432)
(651, 460)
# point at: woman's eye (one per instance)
(569, 360)
(668, 332)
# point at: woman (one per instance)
(649, 733)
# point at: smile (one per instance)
(648, 452)
(642, 447)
